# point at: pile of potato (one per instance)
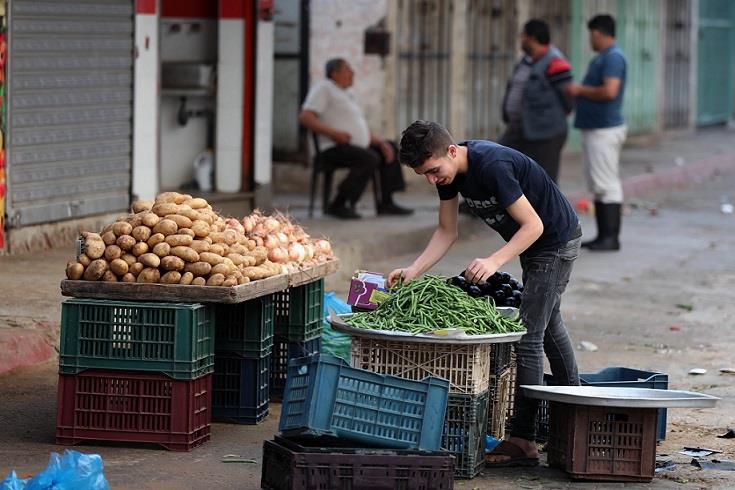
(176, 239)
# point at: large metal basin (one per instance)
(601, 396)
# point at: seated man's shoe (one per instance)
(393, 208)
(342, 212)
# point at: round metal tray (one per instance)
(600, 396)
(451, 336)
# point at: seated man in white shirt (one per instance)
(346, 141)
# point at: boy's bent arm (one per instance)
(530, 230)
(440, 242)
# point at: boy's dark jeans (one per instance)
(545, 276)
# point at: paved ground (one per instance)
(623, 302)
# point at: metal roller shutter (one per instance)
(70, 94)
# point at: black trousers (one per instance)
(362, 163)
(544, 152)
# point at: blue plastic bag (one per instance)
(335, 343)
(73, 471)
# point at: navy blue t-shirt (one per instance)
(496, 177)
(592, 114)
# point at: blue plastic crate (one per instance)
(612, 377)
(240, 388)
(284, 351)
(325, 396)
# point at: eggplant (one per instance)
(507, 290)
(474, 291)
(458, 281)
(505, 277)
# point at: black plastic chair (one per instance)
(318, 168)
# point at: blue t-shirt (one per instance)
(496, 177)
(591, 114)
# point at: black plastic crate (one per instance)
(240, 388)
(501, 357)
(299, 311)
(245, 329)
(321, 463)
(283, 351)
(465, 427)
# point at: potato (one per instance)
(85, 260)
(129, 258)
(251, 245)
(125, 242)
(186, 278)
(230, 281)
(186, 253)
(171, 277)
(208, 239)
(172, 263)
(260, 254)
(141, 233)
(185, 210)
(150, 260)
(149, 274)
(236, 259)
(109, 276)
(243, 280)
(216, 236)
(198, 268)
(162, 249)
(166, 227)
(163, 209)
(181, 221)
(109, 237)
(136, 268)
(112, 252)
(95, 270)
(211, 258)
(150, 219)
(255, 273)
(197, 203)
(155, 239)
(205, 217)
(223, 269)
(200, 228)
(141, 205)
(238, 249)
(215, 280)
(199, 246)
(94, 249)
(119, 267)
(135, 220)
(139, 249)
(217, 248)
(74, 270)
(179, 240)
(230, 237)
(172, 197)
(128, 278)
(122, 228)
(198, 281)
(88, 235)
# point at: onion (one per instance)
(323, 247)
(271, 225)
(233, 224)
(248, 223)
(278, 255)
(309, 249)
(297, 252)
(270, 242)
(282, 238)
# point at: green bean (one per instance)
(430, 304)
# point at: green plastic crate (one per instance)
(245, 329)
(170, 338)
(298, 311)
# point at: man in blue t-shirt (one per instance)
(600, 120)
(518, 199)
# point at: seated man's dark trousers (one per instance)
(362, 163)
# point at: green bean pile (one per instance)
(429, 304)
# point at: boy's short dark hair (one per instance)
(423, 140)
(603, 23)
(333, 65)
(537, 29)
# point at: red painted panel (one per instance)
(145, 6)
(248, 102)
(234, 9)
(195, 9)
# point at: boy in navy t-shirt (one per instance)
(517, 198)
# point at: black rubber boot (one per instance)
(599, 219)
(607, 239)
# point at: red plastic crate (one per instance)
(102, 405)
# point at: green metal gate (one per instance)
(716, 59)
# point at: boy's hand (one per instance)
(480, 270)
(408, 275)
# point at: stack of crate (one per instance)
(299, 313)
(469, 369)
(244, 344)
(135, 372)
(502, 388)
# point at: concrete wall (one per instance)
(337, 30)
